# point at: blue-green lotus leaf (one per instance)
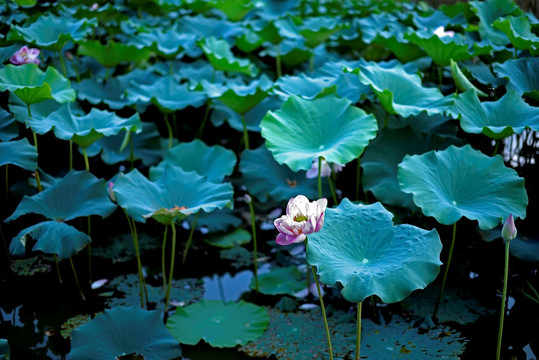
(212, 162)
(84, 130)
(439, 18)
(488, 12)
(235, 10)
(402, 93)
(167, 94)
(221, 57)
(482, 73)
(228, 240)
(519, 32)
(348, 84)
(399, 45)
(206, 27)
(52, 237)
(303, 130)
(249, 41)
(77, 194)
(360, 248)
(373, 24)
(280, 281)
(238, 97)
(293, 52)
(4, 349)
(53, 32)
(303, 86)
(19, 153)
(174, 196)
(32, 85)
(461, 181)
(96, 91)
(113, 53)
(382, 157)
(218, 324)
(522, 75)
(265, 178)
(123, 331)
(461, 81)
(8, 126)
(496, 119)
(197, 71)
(167, 43)
(7, 51)
(316, 30)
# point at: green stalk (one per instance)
(450, 255)
(504, 295)
(278, 61)
(169, 129)
(86, 162)
(245, 133)
(134, 236)
(203, 124)
(70, 154)
(75, 60)
(323, 313)
(62, 63)
(332, 190)
(58, 269)
(190, 239)
(89, 254)
(255, 252)
(171, 272)
(358, 333)
(320, 177)
(77, 279)
(496, 147)
(163, 260)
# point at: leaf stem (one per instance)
(358, 331)
(358, 178)
(496, 147)
(278, 61)
(320, 297)
(190, 239)
(320, 177)
(255, 251)
(504, 295)
(134, 236)
(163, 260)
(58, 269)
(169, 129)
(62, 63)
(171, 270)
(330, 182)
(449, 256)
(245, 133)
(86, 162)
(77, 279)
(204, 119)
(7, 186)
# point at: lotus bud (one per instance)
(112, 196)
(302, 218)
(247, 198)
(509, 231)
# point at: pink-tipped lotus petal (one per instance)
(302, 218)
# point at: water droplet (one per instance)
(454, 202)
(364, 261)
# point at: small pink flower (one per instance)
(302, 218)
(95, 6)
(509, 230)
(25, 56)
(326, 169)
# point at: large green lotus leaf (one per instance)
(460, 182)
(360, 248)
(77, 194)
(96, 91)
(293, 52)
(280, 281)
(265, 178)
(113, 53)
(32, 85)
(84, 130)
(495, 119)
(8, 126)
(440, 18)
(19, 153)
(52, 237)
(221, 57)
(167, 43)
(488, 12)
(316, 30)
(238, 97)
(249, 41)
(395, 41)
(53, 32)
(175, 195)
(443, 49)
(519, 32)
(461, 81)
(402, 93)
(373, 24)
(235, 10)
(303, 86)
(218, 324)
(522, 75)
(167, 94)
(381, 159)
(348, 84)
(229, 240)
(123, 331)
(212, 162)
(302, 130)
(206, 27)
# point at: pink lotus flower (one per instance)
(302, 218)
(25, 56)
(509, 230)
(326, 169)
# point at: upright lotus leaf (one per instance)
(252, 118)
(249, 41)
(174, 196)
(32, 85)
(293, 52)
(439, 18)
(238, 97)
(519, 32)
(303, 130)
(113, 53)
(495, 119)
(206, 27)
(304, 86)
(212, 162)
(221, 57)
(395, 41)
(111, 92)
(53, 32)
(373, 24)
(316, 30)
(52, 237)
(8, 126)
(235, 10)
(77, 194)
(488, 12)
(402, 93)
(167, 43)
(461, 181)
(461, 81)
(265, 178)
(482, 72)
(19, 153)
(522, 75)
(84, 130)
(121, 331)
(360, 248)
(167, 94)
(218, 324)
(443, 49)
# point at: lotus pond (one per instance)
(241, 179)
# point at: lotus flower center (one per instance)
(300, 218)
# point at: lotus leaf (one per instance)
(519, 32)
(19, 153)
(218, 324)
(53, 32)
(402, 93)
(212, 162)
(84, 130)
(280, 281)
(218, 220)
(205, 27)
(32, 85)
(235, 10)
(8, 127)
(52, 237)
(316, 30)
(113, 53)
(304, 86)
(174, 196)
(96, 91)
(460, 182)
(440, 18)
(360, 248)
(167, 43)
(303, 130)
(77, 194)
(488, 12)
(461, 81)
(497, 119)
(122, 331)
(237, 237)
(522, 76)
(221, 57)
(396, 41)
